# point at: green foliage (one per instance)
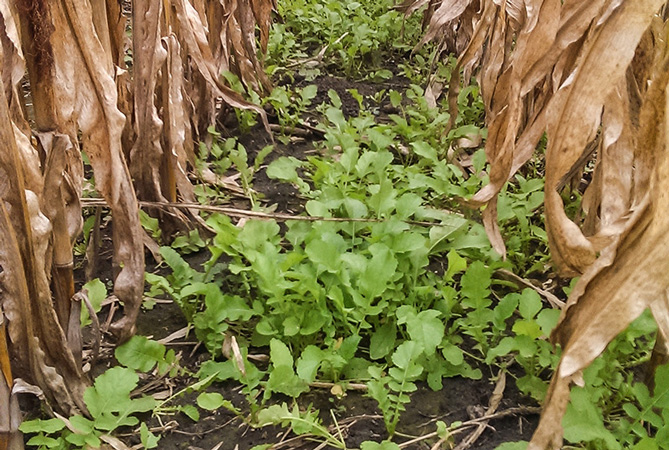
(353, 37)
(109, 402)
(110, 406)
(391, 390)
(97, 293)
(381, 299)
(142, 354)
(301, 422)
(385, 445)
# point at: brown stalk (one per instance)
(591, 75)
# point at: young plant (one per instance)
(391, 390)
(111, 407)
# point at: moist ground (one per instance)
(356, 415)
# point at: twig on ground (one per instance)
(493, 404)
(318, 58)
(179, 334)
(346, 386)
(552, 299)
(518, 410)
(437, 445)
(301, 130)
(350, 421)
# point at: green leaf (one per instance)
(453, 354)
(406, 353)
(282, 378)
(325, 252)
(379, 271)
(407, 205)
(380, 139)
(355, 208)
(409, 242)
(221, 371)
(385, 445)
(427, 329)
(336, 116)
(395, 98)
(583, 421)
(256, 233)
(284, 169)
(382, 341)
(316, 208)
(547, 320)
(97, 293)
(300, 422)
(82, 425)
(48, 426)
(529, 303)
(210, 401)
(475, 283)
(661, 391)
(309, 362)
(181, 271)
(191, 411)
(505, 309)
(222, 307)
(425, 150)
(44, 441)
(527, 328)
(456, 264)
(308, 93)
(109, 402)
(506, 346)
(140, 353)
(279, 354)
(148, 439)
(382, 200)
(291, 326)
(646, 444)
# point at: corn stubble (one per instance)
(593, 77)
(136, 119)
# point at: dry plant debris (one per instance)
(593, 77)
(79, 76)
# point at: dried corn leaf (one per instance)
(87, 94)
(575, 115)
(38, 343)
(629, 277)
(579, 71)
(149, 56)
(193, 35)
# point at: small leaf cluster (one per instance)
(354, 35)
(111, 407)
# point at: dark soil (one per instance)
(460, 399)
(356, 415)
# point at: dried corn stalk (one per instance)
(179, 51)
(593, 77)
(86, 97)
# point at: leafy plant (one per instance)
(143, 354)
(391, 390)
(110, 406)
(352, 37)
(301, 422)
